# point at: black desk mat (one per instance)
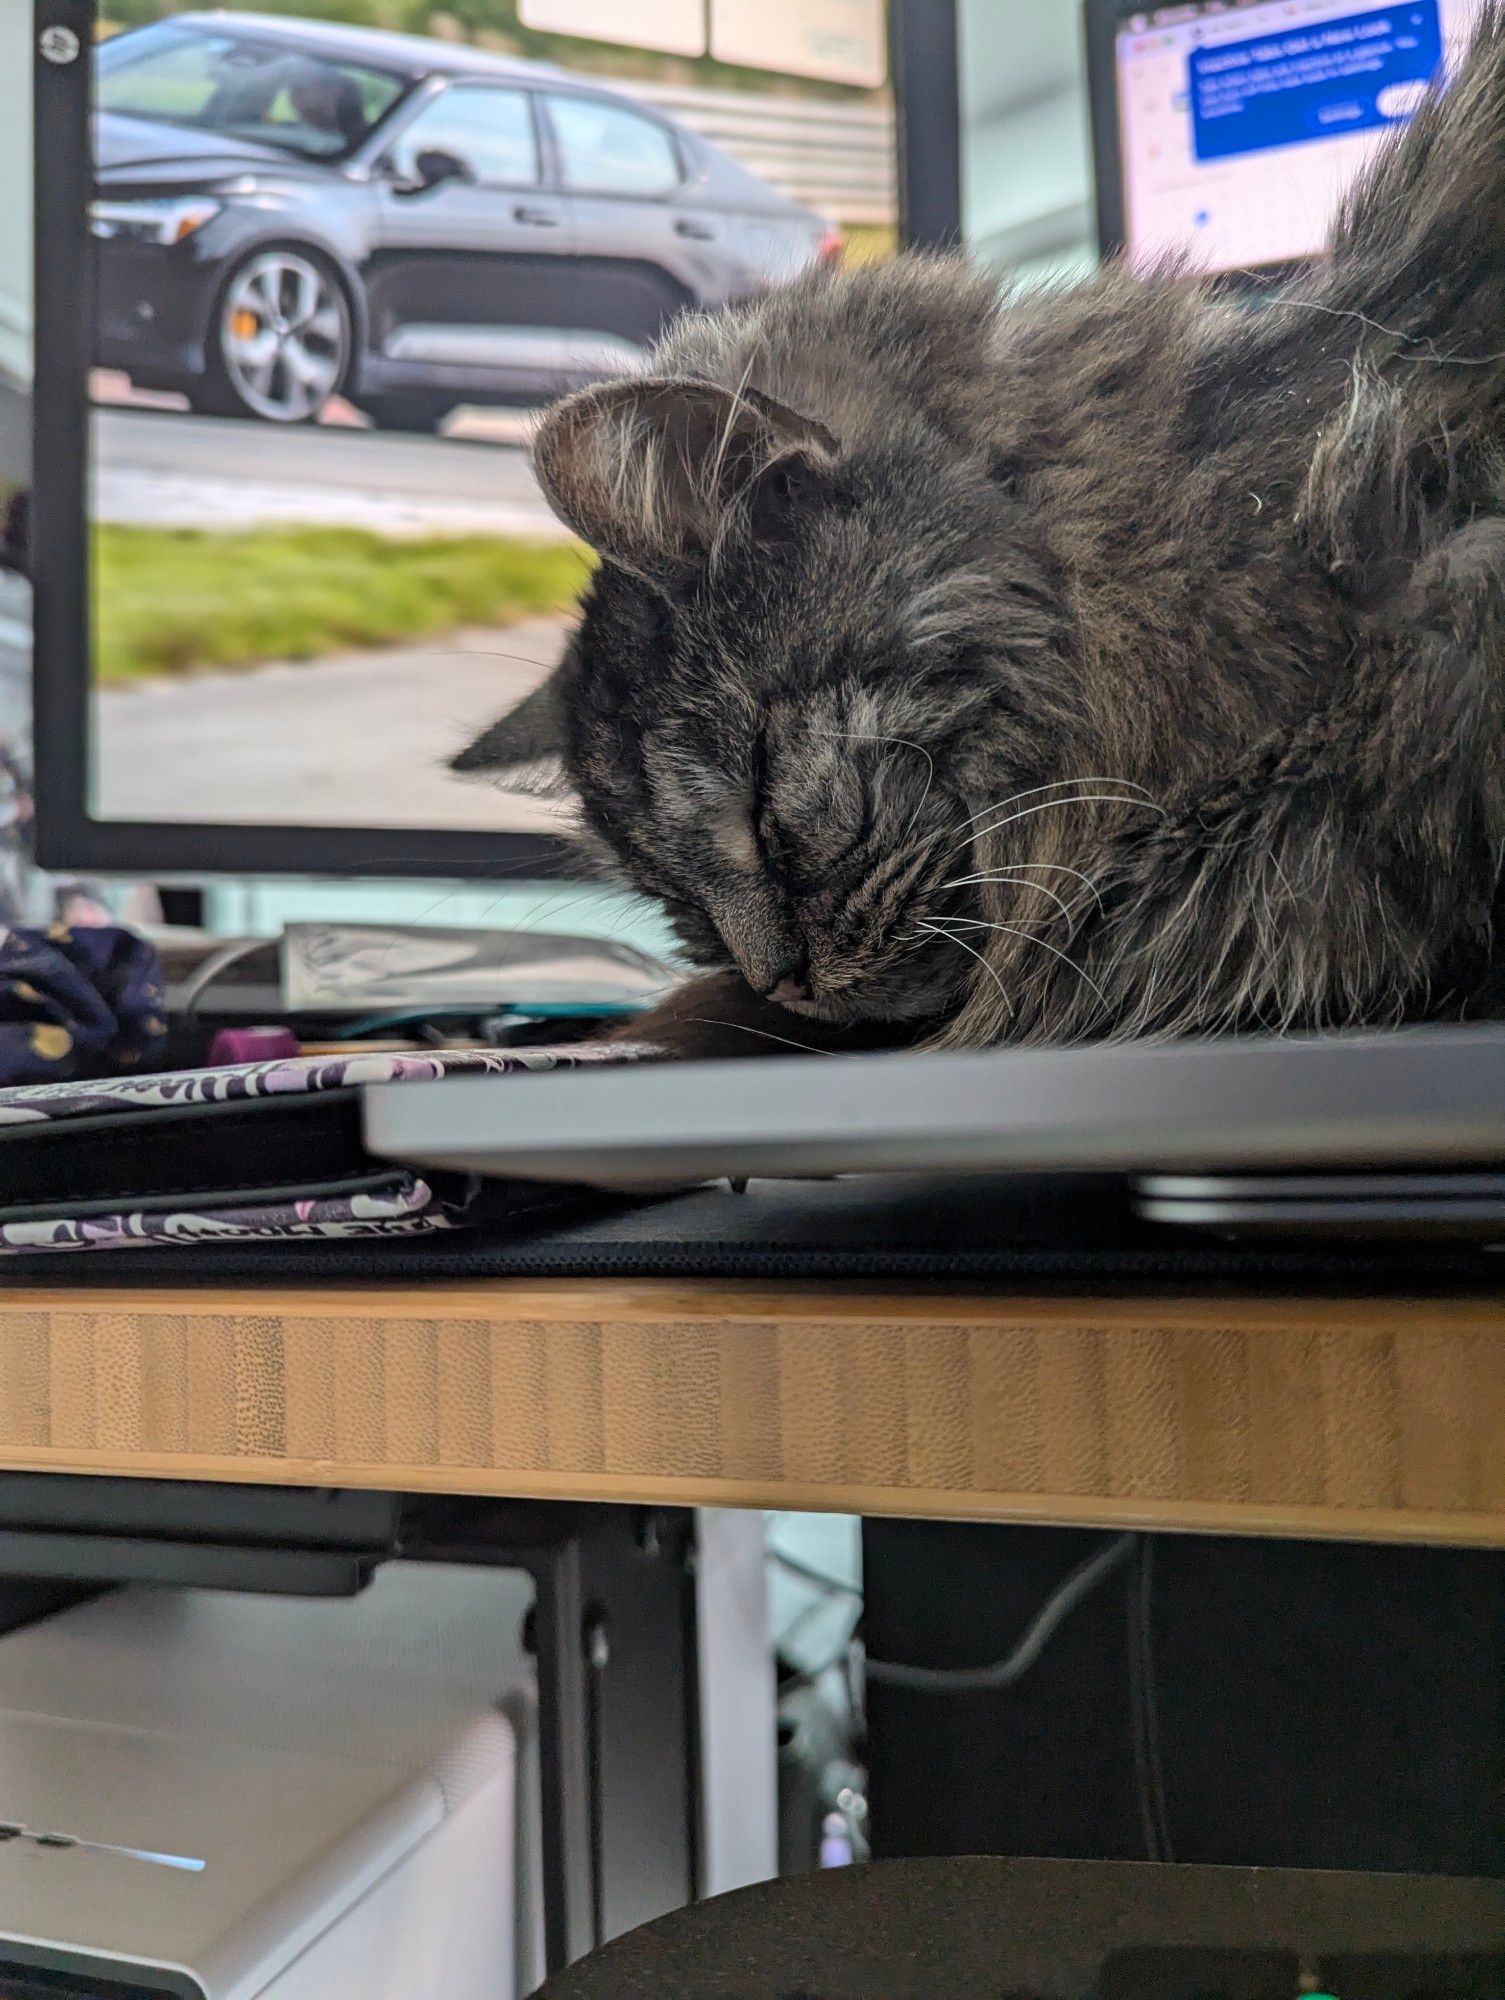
(1067, 1232)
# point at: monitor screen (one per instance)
(336, 270)
(1240, 125)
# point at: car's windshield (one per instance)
(317, 105)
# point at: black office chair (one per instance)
(1065, 1930)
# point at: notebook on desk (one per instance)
(260, 1154)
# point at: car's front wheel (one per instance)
(280, 345)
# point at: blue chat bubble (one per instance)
(1365, 71)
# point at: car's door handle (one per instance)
(701, 231)
(539, 218)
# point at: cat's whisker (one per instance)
(939, 930)
(541, 667)
(1391, 333)
(733, 411)
(1010, 874)
(1039, 887)
(767, 1034)
(1029, 937)
(1047, 805)
(1082, 799)
(1055, 785)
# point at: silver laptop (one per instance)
(1227, 1132)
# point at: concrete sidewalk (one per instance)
(357, 740)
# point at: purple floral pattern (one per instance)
(290, 1075)
(406, 1208)
(78, 998)
(400, 1205)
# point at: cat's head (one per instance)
(799, 665)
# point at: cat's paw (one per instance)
(719, 1016)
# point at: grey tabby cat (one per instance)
(1123, 662)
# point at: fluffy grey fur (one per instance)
(1123, 662)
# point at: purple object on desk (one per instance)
(249, 1045)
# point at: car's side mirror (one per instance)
(432, 168)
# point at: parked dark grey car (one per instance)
(289, 210)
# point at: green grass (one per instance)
(168, 601)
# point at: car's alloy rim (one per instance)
(284, 335)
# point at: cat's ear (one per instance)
(531, 733)
(648, 471)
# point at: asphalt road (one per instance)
(358, 740)
(162, 469)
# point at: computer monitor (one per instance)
(315, 275)
(1226, 131)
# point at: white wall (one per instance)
(738, 1707)
(15, 180)
(1026, 153)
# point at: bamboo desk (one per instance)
(1377, 1419)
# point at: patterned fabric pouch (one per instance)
(259, 1151)
(79, 1001)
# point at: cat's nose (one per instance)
(790, 981)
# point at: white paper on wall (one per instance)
(840, 41)
(675, 26)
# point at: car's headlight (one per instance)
(164, 222)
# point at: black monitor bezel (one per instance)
(924, 61)
(1101, 19)
(68, 836)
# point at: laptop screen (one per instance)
(1241, 122)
